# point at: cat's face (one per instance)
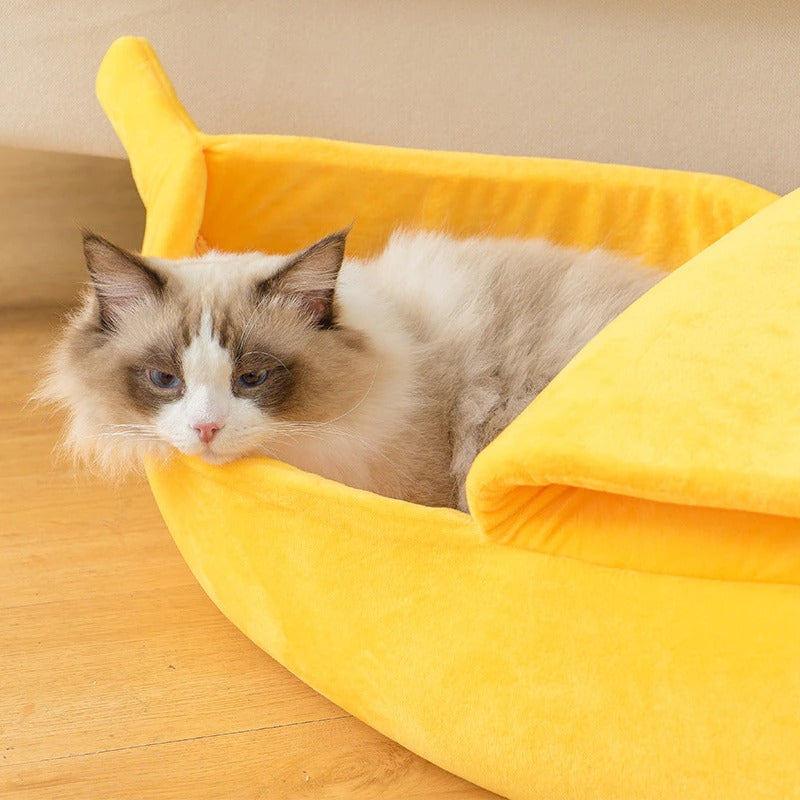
(221, 356)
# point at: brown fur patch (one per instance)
(146, 397)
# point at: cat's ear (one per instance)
(120, 279)
(310, 277)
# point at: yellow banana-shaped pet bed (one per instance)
(619, 616)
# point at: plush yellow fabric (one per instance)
(681, 420)
(620, 617)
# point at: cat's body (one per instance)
(388, 375)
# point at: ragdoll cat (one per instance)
(389, 374)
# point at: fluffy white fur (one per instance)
(461, 336)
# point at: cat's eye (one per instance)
(251, 379)
(164, 380)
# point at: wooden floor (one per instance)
(119, 677)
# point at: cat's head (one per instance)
(220, 356)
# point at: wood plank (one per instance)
(124, 670)
(330, 759)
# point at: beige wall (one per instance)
(708, 85)
(45, 199)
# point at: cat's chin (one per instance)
(208, 456)
(212, 457)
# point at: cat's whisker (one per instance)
(137, 436)
(132, 430)
(352, 408)
(263, 353)
(251, 321)
(128, 425)
(318, 429)
(361, 401)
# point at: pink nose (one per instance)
(206, 431)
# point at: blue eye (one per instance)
(164, 380)
(251, 379)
